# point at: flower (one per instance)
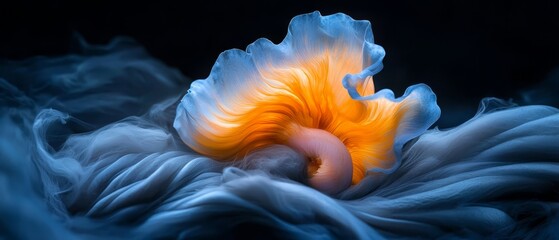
(313, 92)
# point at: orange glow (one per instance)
(307, 92)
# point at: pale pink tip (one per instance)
(329, 162)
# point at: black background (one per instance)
(464, 50)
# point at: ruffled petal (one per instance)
(319, 76)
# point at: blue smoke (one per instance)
(89, 152)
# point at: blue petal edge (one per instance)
(234, 69)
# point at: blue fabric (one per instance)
(88, 151)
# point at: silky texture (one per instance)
(89, 151)
(319, 76)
